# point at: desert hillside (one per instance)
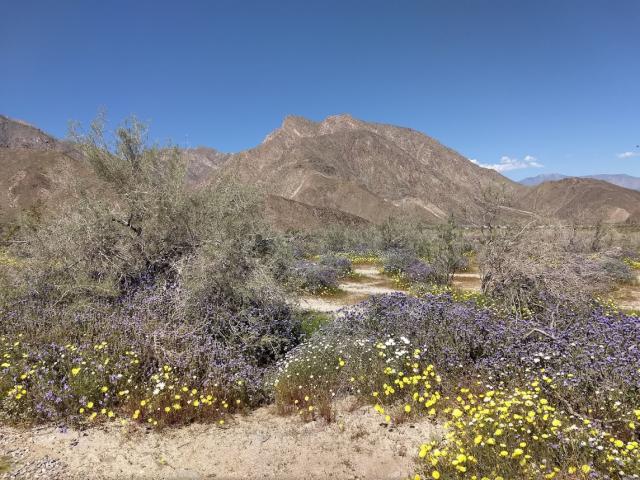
(341, 170)
(366, 169)
(584, 200)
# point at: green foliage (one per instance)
(447, 255)
(312, 321)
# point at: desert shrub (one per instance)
(419, 272)
(447, 254)
(583, 353)
(312, 321)
(402, 233)
(219, 344)
(316, 373)
(406, 233)
(408, 267)
(535, 271)
(191, 279)
(340, 264)
(616, 269)
(315, 278)
(397, 261)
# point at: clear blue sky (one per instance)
(550, 79)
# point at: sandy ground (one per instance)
(372, 282)
(628, 296)
(467, 281)
(260, 445)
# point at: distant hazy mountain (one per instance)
(543, 177)
(621, 179)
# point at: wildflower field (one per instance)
(163, 306)
(559, 403)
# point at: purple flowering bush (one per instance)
(407, 267)
(315, 278)
(341, 264)
(517, 398)
(227, 349)
(593, 359)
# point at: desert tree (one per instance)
(135, 221)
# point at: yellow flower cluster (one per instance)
(457, 294)
(418, 387)
(495, 433)
(635, 264)
(95, 383)
(8, 260)
(363, 258)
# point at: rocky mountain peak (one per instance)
(19, 134)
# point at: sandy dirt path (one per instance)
(261, 445)
(371, 282)
(467, 281)
(628, 296)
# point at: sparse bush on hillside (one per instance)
(532, 271)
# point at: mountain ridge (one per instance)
(337, 170)
(366, 169)
(620, 179)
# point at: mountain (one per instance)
(583, 200)
(621, 179)
(543, 177)
(339, 170)
(35, 168)
(202, 162)
(364, 169)
(19, 134)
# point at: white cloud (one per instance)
(507, 163)
(629, 154)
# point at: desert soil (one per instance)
(628, 296)
(260, 445)
(468, 281)
(370, 282)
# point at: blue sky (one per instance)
(512, 84)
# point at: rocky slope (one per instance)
(339, 170)
(35, 168)
(584, 200)
(369, 170)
